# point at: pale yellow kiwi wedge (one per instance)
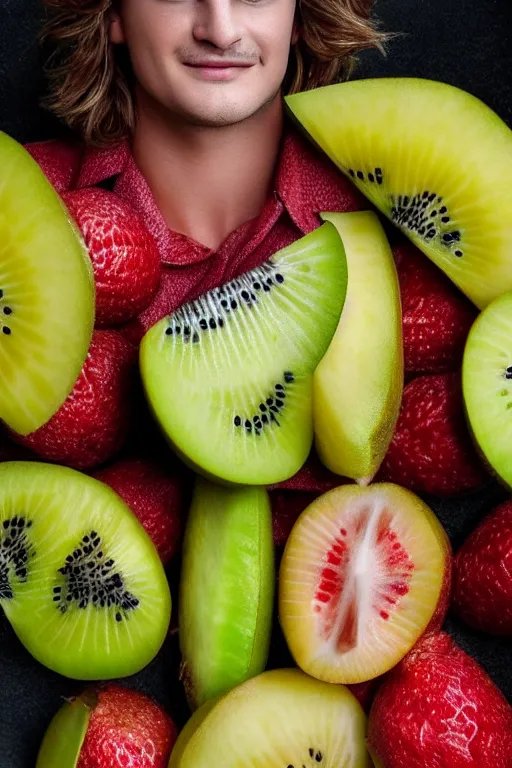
(363, 573)
(277, 719)
(357, 387)
(434, 159)
(46, 294)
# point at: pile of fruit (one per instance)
(350, 345)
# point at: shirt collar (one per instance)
(306, 181)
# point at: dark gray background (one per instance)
(464, 42)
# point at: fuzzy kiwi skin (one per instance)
(226, 589)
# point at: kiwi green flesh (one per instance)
(279, 718)
(357, 386)
(65, 736)
(46, 294)
(226, 589)
(434, 159)
(487, 386)
(80, 580)
(229, 376)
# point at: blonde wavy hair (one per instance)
(91, 80)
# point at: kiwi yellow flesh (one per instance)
(487, 385)
(80, 580)
(277, 719)
(357, 387)
(434, 159)
(46, 294)
(227, 589)
(229, 376)
(65, 736)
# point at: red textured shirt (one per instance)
(305, 183)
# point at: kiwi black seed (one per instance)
(80, 580)
(241, 360)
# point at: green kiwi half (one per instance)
(80, 580)
(229, 376)
(277, 719)
(227, 589)
(434, 159)
(46, 294)
(487, 385)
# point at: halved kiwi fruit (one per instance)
(357, 386)
(487, 385)
(362, 574)
(80, 580)
(227, 589)
(277, 719)
(46, 294)
(229, 376)
(434, 159)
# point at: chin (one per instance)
(227, 114)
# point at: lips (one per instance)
(216, 64)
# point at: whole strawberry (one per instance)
(91, 425)
(483, 574)
(438, 709)
(118, 727)
(123, 252)
(155, 495)
(431, 450)
(436, 316)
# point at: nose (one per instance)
(217, 23)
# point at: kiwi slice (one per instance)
(80, 580)
(487, 385)
(229, 376)
(46, 294)
(434, 159)
(357, 387)
(227, 589)
(277, 719)
(66, 733)
(363, 572)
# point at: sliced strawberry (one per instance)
(123, 252)
(483, 574)
(436, 316)
(362, 574)
(431, 450)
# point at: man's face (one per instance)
(174, 46)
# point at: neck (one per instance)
(207, 181)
